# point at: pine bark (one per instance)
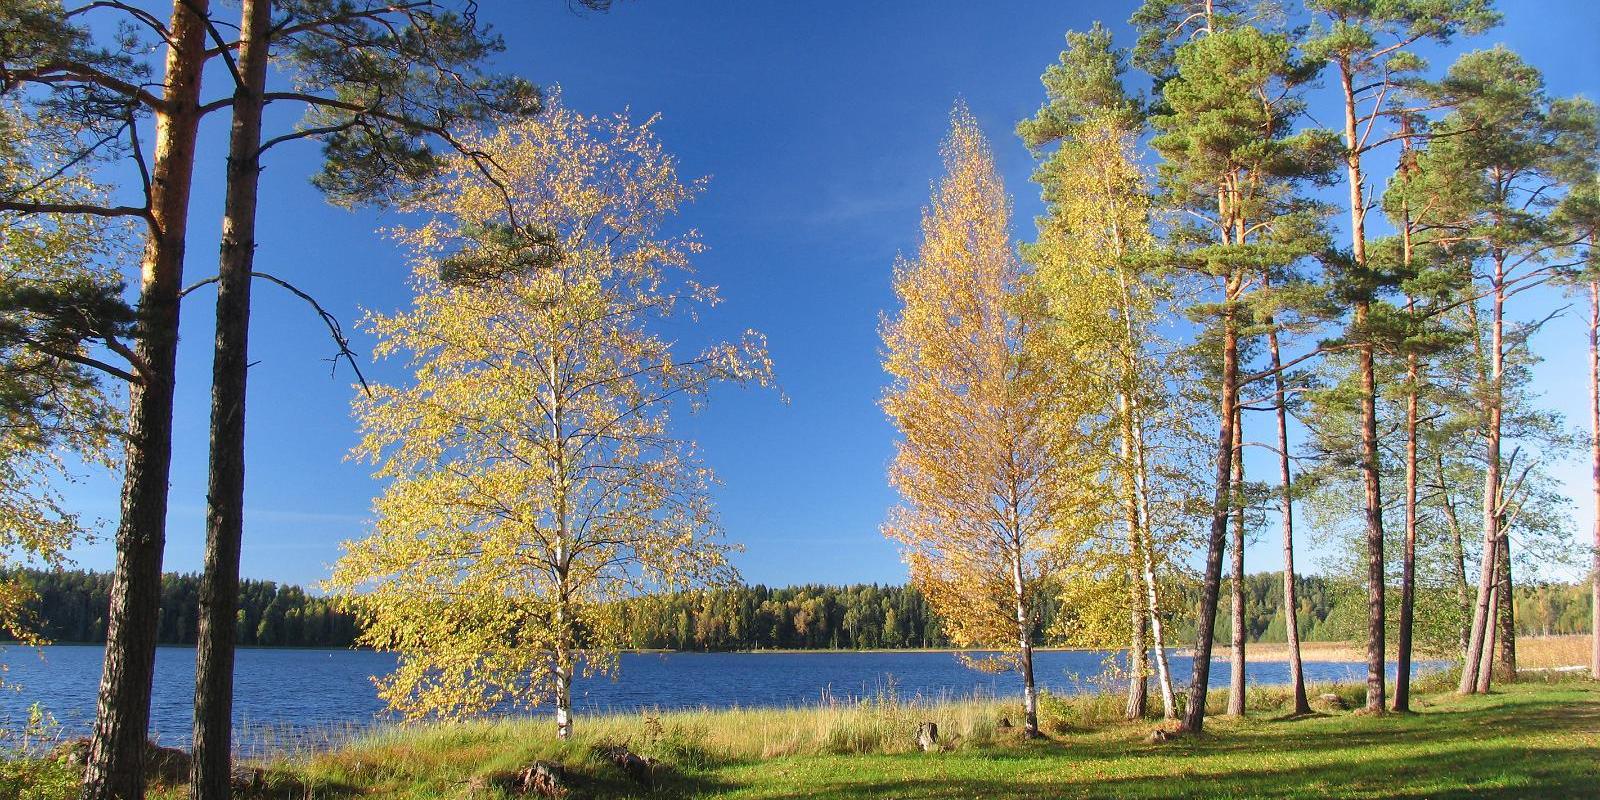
(1408, 565)
(1291, 602)
(1594, 466)
(1506, 638)
(1236, 678)
(1482, 620)
(211, 767)
(1370, 477)
(1194, 713)
(115, 764)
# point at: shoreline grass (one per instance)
(867, 748)
(1539, 737)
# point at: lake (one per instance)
(309, 689)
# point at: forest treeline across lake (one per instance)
(70, 606)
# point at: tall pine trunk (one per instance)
(115, 763)
(1236, 682)
(1506, 638)
(1458, 553)
(1194, 712)
(219, 586)
(1370, 478)
(1291, 607)
(1482, 618)
(1408, 565)
(1594, 466)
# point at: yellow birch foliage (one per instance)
(533, 476)
(1098, 310)
(992, 459)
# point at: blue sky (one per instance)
(818, 124)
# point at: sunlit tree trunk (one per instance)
(1138, 659)
(1483, 625)
(1506, 638)
(1194, 713)
(115, 763)
(1030, 696)
(1408, 589)
(1365, 365)
(211, 768)
(1291, 603)
(1236, 682)
(1594, 462)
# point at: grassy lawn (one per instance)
(1532, 739)
(1536, 738)
(1529, 741)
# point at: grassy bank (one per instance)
(1537, 738)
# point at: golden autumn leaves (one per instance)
(1026, 399)
(534, 478)
(991, 458)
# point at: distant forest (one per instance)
(71, 607)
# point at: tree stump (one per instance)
(543, 779)
(928, 737)
(1332, 701)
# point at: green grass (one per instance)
(1538, 738)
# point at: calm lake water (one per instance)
(308, 689)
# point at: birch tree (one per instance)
(1101, 301)
(534, 479)
(988, 464)
(383, 85)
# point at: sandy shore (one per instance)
(1533, 652)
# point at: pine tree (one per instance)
(1231, 159)
(1366, 43)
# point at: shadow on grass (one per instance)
(1506, 746)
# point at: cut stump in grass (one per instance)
(544, 779)
(539, 779)
(928, 737)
